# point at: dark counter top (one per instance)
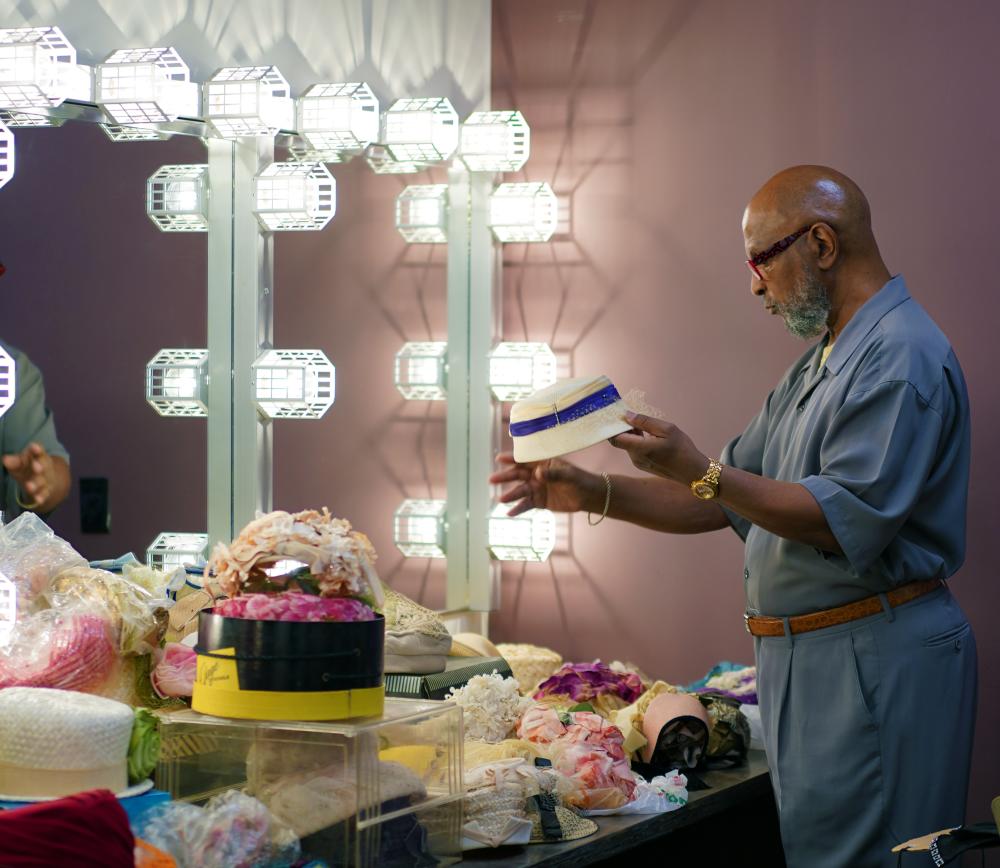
(728, 789)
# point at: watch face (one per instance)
(704, 490)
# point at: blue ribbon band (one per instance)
(581, 408)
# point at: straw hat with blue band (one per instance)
(565, 417)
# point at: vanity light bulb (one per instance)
(8, 609)
(422, 214)
(495, 142)
(8, 381)
(177, 198)
(421, 130)
(249, 101)
(529, 536)
(177, 382)
(418, 528)
(295, 196)
(523, 212)
(172, 550)
(420, 370)
(137, 87)
(338, 117)
(518, 369)
(294, 384)
(7, 152)
(38, 69)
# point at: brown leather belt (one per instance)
(762, 625)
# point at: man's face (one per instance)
(790, 288)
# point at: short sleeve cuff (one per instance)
(738, 523)
(838, 506)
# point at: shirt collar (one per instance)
(893, 294)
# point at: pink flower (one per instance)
(174, 674)
(293, 606)
(540, 724)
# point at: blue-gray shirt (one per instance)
(28, 420)
(879, 435)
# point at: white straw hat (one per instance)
(565, 417)
(56, 742)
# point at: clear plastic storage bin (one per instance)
(367, 792)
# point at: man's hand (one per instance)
(553, 484)
(43, 479)
(662, 449)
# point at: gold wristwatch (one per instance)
(708, 486)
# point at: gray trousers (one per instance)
(868, 731)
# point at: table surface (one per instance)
(618, 834)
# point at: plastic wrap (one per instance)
(139, 618)
(72, 648)
(233, 830)
(31, 555)
(660, 795)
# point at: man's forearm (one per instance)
(660, 504)
(786, 509)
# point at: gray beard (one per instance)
(805, 314)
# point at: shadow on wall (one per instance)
(577, 93)
(425, 48)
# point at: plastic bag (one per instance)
(31, 555)
(661, 795)
(233, 830)
(140, 618)
(73, 648)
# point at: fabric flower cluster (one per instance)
(491, 706)
(334, 560)
(582, 682)
(587, 750)
(294, 606)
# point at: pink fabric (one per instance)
(294, 606)
(585, 749)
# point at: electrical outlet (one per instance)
(95, 513)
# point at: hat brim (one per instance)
(572, 824)
(135, 790)
(572, 436)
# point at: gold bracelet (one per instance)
(607, 502)
(22, 504)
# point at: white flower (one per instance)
(491, 706)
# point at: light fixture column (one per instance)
(474, 293)
(240, 285)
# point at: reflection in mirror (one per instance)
(93, 291)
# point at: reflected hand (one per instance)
(552, 484)
(35, 472)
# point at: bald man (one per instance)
(849, 489)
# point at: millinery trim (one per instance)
(584, 407)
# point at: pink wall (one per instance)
(657, 121)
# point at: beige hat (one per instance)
(565, 417)
(57, 742)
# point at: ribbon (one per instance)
(584, 407)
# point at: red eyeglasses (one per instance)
(774, 250)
